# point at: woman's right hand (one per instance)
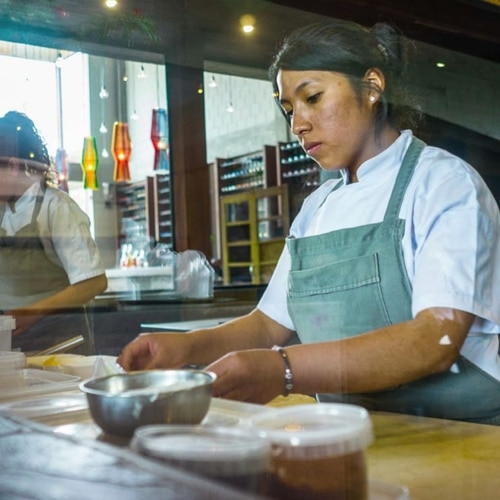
(156, 350)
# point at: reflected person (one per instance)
(50, 266)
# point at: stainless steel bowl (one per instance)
(121, 403)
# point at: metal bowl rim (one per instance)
(211, 376)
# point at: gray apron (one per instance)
(23, 261)
(351, 281)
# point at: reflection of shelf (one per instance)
(160, 208)
(299, 172)
(253, 225)
(148, 204)
(251, 171)
(131, 206)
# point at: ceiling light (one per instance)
(110, 4)
(103, 93)
(440, 64)
(247, 23)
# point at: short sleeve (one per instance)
(65, 233)
(455, 230)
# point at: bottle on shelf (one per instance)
(298, 171)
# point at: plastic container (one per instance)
(27, 382)
(10, 360)
(140, 279)
(318, 451)
(76, 364)
(239, 457)
(7, 325)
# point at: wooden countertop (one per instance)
(436, 459)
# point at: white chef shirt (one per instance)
(451, 245)
(64, 232)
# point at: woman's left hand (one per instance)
(254, 375)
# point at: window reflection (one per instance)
(72, 95)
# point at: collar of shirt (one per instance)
(13, 221)
(376, 168)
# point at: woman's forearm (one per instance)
(72, 296)
(254, 330)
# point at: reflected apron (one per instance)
(352, 281)
(26, 270)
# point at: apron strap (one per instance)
(38, 204)
(405, 173)
(403, 179)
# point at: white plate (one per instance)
(221, 412)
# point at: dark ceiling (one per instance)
(195, 31)
(468, 26)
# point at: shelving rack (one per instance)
(250, 171)
(253, 226)
(299, 172)
(148, 204)
(131, 205)
(159, 214)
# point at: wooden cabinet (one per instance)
(296, 170)
(253, 228)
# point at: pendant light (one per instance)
(159, 138)
(90, 162)
(122, 149)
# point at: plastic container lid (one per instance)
(11, 360)
(214, 451)
(7, 322)
(27, 382)
(315, 431)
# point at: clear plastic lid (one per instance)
(11, 360)
(7, 322)
(215, 451)
(315, 431)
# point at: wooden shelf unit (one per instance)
(254, 225)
